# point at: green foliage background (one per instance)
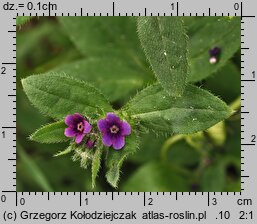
(108, 53)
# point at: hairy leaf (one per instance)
(69, 149)
(209, 32)
(165, 44)
(108, 36)
(59, 95)
(156, 177)
(96, 164)
(115, 76)
(51, 133)
(21, 20)
(115, 159)
(197, 110)
(26, 114)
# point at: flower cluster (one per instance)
(112, 128)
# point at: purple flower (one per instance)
(214, 51)
(78, 127)
(113, 131)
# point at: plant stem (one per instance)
(170, 141)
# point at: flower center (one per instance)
(114, 129)
(80, 126)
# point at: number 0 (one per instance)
(22, 201)
(3, 198)
(29, 5)
(236, 6)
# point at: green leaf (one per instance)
(108, 36)
(209, 32)
(165, 44)
(149, 148)
(183, 155)
(26, 114)
(96, 164)
(59, 95)
(115, 76)
(218, 83)
(155, 177)
(69, 149)
(233, 143)
(32, 168)
(51, 133)
(233, 186)
(57, 49)
(21, 20)
(115, 159)
(233, 170)
(62, 173)
(197, 110)
(214, 178)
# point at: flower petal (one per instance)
(78, 117)
(107, 140)
(87, 127)
(102, 125)
(126, 129)
(69, 132)
(112, 118)
(118, 142)
(69, 120)
(79, 138)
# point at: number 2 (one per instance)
(3, 70)
(150, 201)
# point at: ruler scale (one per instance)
(124, 207)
